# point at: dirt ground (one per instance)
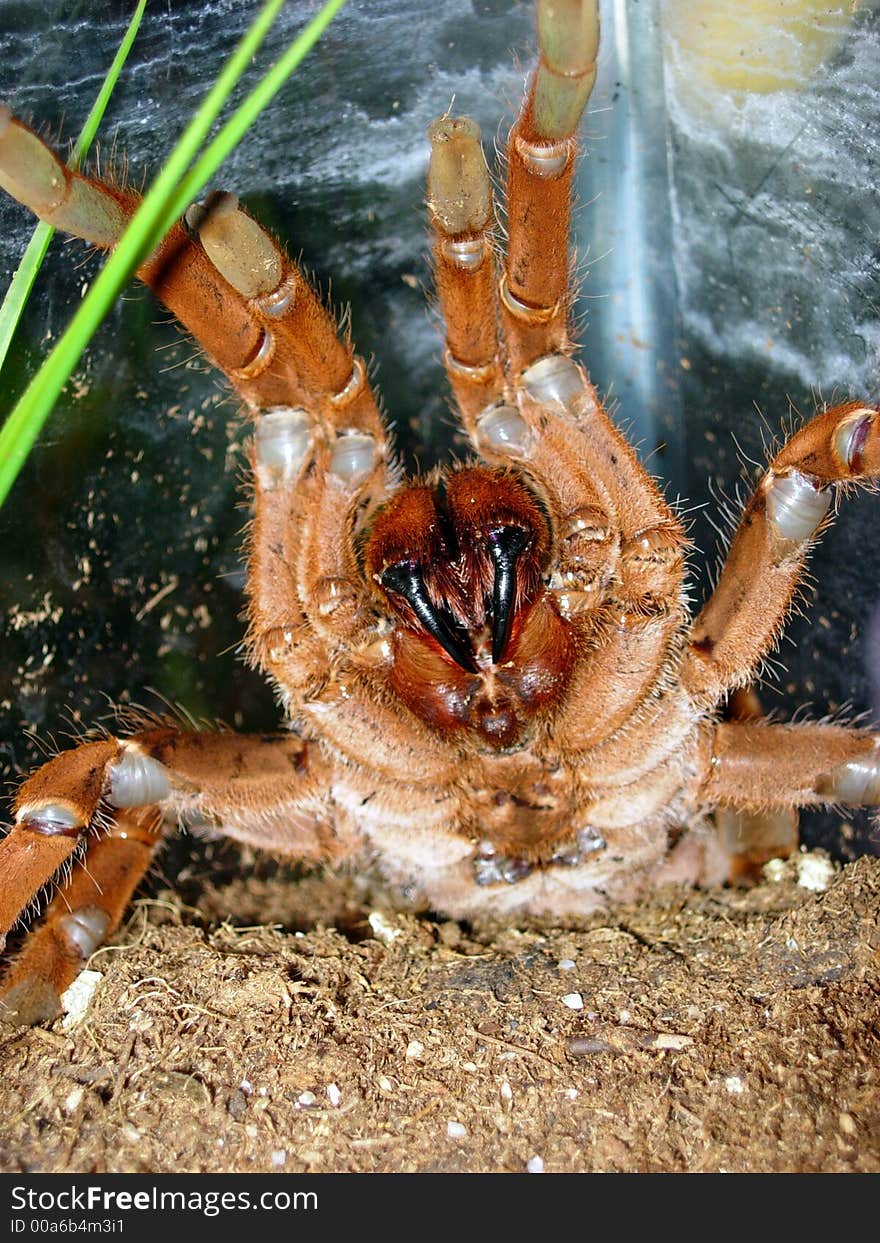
(733, 1030)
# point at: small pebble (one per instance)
(671, 1040)
(734, 1085)
(566, 964)
(414, 1050)
(279, 1157)
(455, 1130)
(75, 999)
(306, 1100)
(334, 1096)
(383, 929)
(815, 871)
(73, 1100)
(774, 871)
(535, 1165)
(574, 1001)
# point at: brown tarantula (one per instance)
(493, 689)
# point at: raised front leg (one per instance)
(743, 617)
(536, 291)
(223, 277)
(528, 295)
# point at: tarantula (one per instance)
(493, 690)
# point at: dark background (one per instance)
(732, 269)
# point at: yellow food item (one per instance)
(753, 45)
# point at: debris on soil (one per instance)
(732, 1030)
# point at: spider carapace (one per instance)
(493, 690)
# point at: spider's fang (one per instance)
(506, 544)
(406, 580)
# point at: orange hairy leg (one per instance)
(541, 150)
(269, 791)
(744, 615)
(242, 299)
(463, 251)
(86, 910)
(761, 765)
(752, 836)
(52, 809)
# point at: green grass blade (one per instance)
(35, 252)
(21, 285)
(160, 208)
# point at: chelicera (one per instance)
(493, 689)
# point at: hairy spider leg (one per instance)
(535, 291)
(101, 809)
(761, 772)
(464, 261)
(220, 274)
(752, 837)
(756, 774)
(86, 909)
(792, 504)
